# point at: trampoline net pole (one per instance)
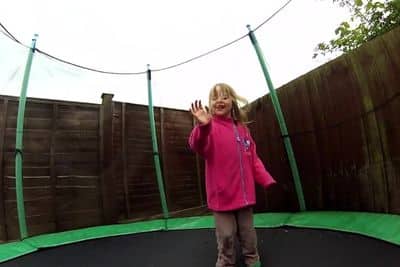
(19, 143)
(155, 147)
(281, 121)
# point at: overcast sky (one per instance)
(125, 36)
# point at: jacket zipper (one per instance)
(239, 149)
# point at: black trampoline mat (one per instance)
(278, 247)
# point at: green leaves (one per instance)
(368, 20)
(358, 2)
(396, 4)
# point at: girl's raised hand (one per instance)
(201, 114)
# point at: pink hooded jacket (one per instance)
(232, 164)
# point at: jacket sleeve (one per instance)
(261, 175)
(199, 139)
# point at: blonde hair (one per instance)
(238, 112)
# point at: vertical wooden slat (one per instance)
(125, 162)
(387, 80)
(331, 138)
(361, 62)
(308, 159)
(53, 175)
(107, 183)
(101, 158)
(319, 122)
(391, 43)
(3, 233)
(380, 91)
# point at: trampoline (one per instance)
(305, 238)
(285, 239)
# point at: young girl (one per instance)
(232, 168)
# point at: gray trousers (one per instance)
(228, 226)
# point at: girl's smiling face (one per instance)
(221, 103)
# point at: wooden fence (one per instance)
(343, 120)
(87, 164)
(61, 166)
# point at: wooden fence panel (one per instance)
(138, 191)
(183, 186)
(391, 43)
(76, 165)
(143, 192)
(382, 86)
(364, 66)
(305, 144)
(60, 166)
(390, 82)
(265, 130)
(37, 189)
(285, 102)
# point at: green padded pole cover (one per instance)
(155, 147)
(19, 144)
(281, 120)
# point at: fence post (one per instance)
(107, 179)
